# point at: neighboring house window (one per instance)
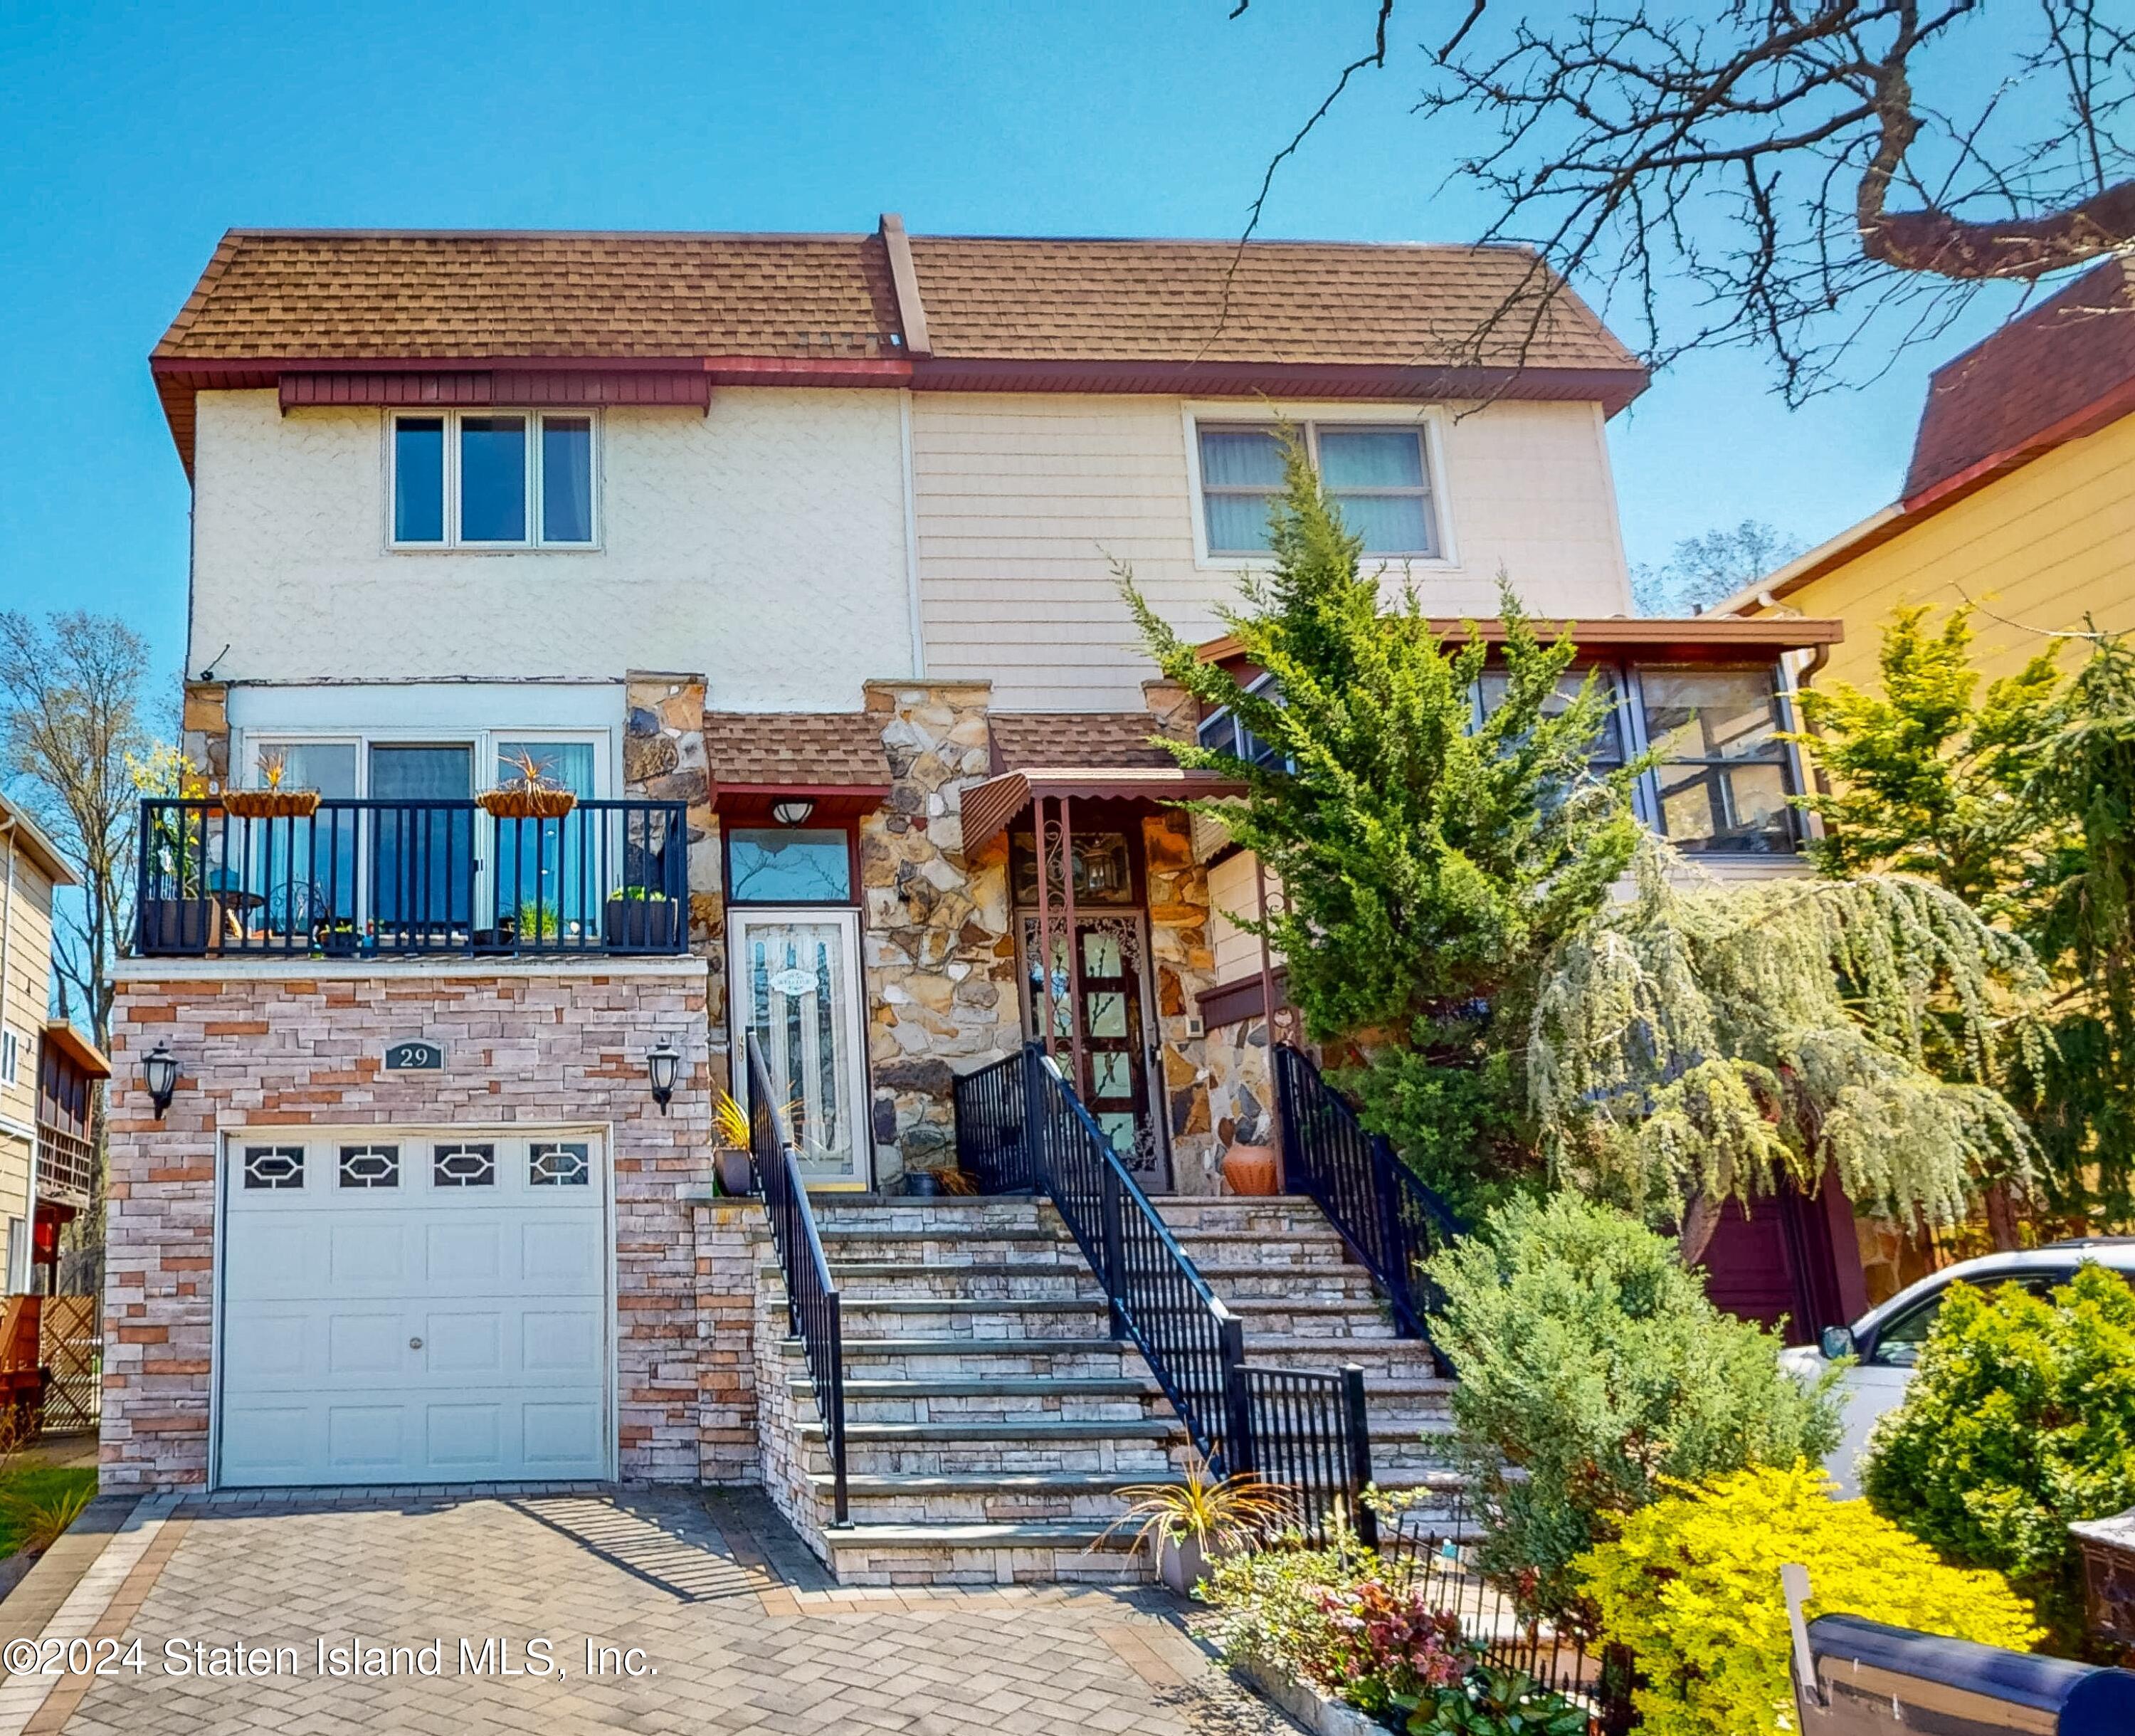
(1723, 775)
(520, 479)
(1377, 477)
(11, 1060)
(1606, 753)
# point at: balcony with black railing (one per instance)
(390, 878)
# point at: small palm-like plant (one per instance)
(730, 1121)
(39, 1520)
(1220, 1515)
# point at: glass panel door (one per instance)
(796, 988)
(547, 871)
(1116, 1045)
(422, 870)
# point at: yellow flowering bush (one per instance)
(1691, 1585)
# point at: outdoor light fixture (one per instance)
(794, 812)
(159, 1071)
(664, 1063)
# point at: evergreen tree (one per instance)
(1429, 859)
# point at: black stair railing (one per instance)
(811, 1299)
(1393, 1220)
(1021, 1127)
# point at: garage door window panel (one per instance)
(274, 1167)
(559, 1166)
(370, 1165)
(463, 1166)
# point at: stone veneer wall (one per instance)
(1184, 966)
(733, 1245)
(1241, 1094)
(261, 1045)
(939, 957)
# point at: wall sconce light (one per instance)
(664, 1063)
(793, 812)
(159, 1072)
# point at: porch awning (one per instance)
(991, 808)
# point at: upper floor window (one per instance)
(11, 1060)
(480, 479)
(1377, 477)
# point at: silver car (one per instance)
(1886, 1341)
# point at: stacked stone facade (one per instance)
(939, 954)
(264, 1045)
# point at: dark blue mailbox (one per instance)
(1873, 1681)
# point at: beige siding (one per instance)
(1023, 503)
(24, 999)
(1233, 893)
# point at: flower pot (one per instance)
(1250, 1169)
(526, 804)
(737, 1173)
(176, 924)
(643, 924)
(922, 1184)
(271, 804)
(1181, 1563)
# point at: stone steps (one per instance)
(992, 1422)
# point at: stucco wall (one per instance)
(1022, 502)
(762, 544)
(260, 1046)
(2041, 548)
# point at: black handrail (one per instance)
(370, 878)
(1020, 1125)
(1391, 1218)
(811, 1299)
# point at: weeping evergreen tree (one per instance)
(1702, 1042)
(1428, 860)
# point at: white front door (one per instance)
(402, 1306)
(797, 987)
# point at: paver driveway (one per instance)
(727, 1622)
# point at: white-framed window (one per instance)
(1379, 475)
(10, 1057)
(492, 479)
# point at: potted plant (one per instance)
(641, 920)
(271, 801)
(527, 795)
(338, 938)
(732, 1162)
(1250, 1168)
(1185, 1527)
(175, 914)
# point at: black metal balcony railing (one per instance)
(363, 879)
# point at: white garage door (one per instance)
(403, 1309)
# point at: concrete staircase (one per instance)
(990, 1420)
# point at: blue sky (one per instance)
(131, 135)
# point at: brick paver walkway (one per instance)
(729, 1623)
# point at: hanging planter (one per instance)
(529, 796)
(270, 804)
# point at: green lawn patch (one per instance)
(26, 1494)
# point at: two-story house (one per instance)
(48, 1070)
(788, 562)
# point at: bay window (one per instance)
(493, 480)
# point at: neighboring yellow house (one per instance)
(47, 1069)
(2019, 496)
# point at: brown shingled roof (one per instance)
(795, 749)
(2004, 396)
(1293, 301)
(1024, 739)
(330, 295)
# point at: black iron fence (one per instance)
(1431, 1549)
(353, 879)
(1020, 1126)
(811, 1299)
(1393, 1220)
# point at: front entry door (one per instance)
(796, 988)
(1115, 1038)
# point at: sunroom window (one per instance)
(514, 479)
(1377, 477)
(1723, 774)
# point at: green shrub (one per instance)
(1692, 1587)
(1591, 1366)
(1492, 1702)
(2020, 1419)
